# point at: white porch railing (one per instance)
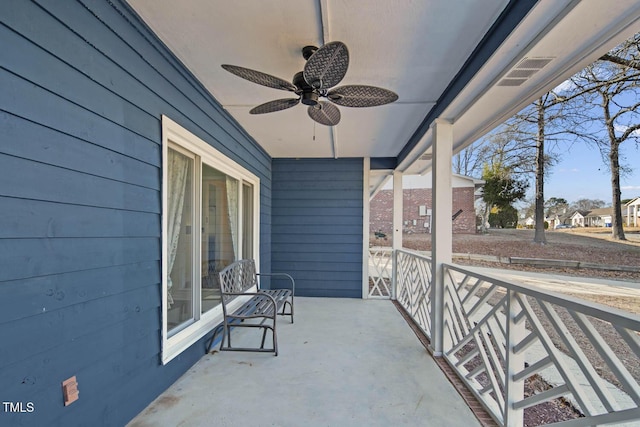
(413, 281)
(500, 337)
(380, 272)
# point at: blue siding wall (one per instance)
(317, 225)
(83, 85)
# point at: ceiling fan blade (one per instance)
(260, 78)
(324, 113)
(273, 106)
(327, 66)
(361, 96)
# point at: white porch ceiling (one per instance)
(414, 48)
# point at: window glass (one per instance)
(180, 241)
(209, 220)
(247, 221)
(219, 230)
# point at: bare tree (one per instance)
(560, 115)
(556, 206)
(469, 161)
(587, 204)
(536, 133)
(610, 87)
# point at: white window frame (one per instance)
(181, 139)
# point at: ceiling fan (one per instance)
(325, 68)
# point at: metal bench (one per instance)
(258, 309)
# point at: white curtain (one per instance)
(178, 175)
(232, 203)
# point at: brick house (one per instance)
(416, 216)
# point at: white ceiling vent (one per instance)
(524, 70)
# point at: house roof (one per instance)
(472, 62)
(600, 212)
(424, 181)
(632, 202)
(579, 212)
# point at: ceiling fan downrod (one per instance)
(307, 51)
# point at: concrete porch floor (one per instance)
(345, 362)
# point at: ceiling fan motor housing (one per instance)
(308, 95)
(309, 98)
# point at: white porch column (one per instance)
(398, 208)
(365, 226)
(398, 213)
(442, 224)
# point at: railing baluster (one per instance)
(514, 389)
(490, 331)
(609, 357)
(587, 369)
(562, 367)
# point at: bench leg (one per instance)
(283, 312)
(226, 331)
(290, 308)
(209, 343)
(275, 342)
(226, 334)
(264, 335)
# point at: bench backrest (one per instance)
(236, 278)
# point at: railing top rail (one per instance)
(609, 314)
(414, 253)
(380, 248)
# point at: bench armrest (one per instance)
(293, 282)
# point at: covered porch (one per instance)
(452, 90)
(103, 98)
(509, 345)
(343, 362)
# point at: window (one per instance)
(210, 218)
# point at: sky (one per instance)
(582, 174)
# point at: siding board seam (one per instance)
(82, 205)
(165, 53)
(79, 270)
(149, 89)
(70, 101)
(80, 172)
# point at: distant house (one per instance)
(554, 220)
(601, 217)
(631, 211)
(529, 222)
(577, 218)
(416, 217)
